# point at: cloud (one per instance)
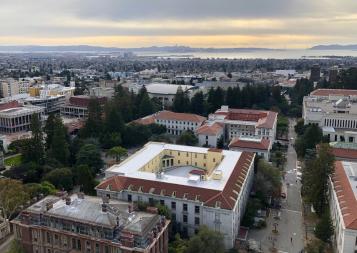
(225, 22)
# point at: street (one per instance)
(290, 234)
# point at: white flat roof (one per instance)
(130, 167)
(162, 88)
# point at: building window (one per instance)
(184, 218)
(48, 237)
(162, 202)
(151, 201)
(173, 205)
(197, 221)
(173, 217)
(197, 209)
(129, 198)
(184, 207)
(96, 248)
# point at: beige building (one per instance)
(199, 185)
(9, 88)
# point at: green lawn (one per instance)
(13, 161)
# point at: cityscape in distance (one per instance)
(178, 126)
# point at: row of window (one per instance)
(339, 123)
(177, 122)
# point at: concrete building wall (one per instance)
(177, 127)
(208, 140)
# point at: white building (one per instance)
(165, 92)
(209, 134)
(343, 206)
(246, 123)
(333, 110)
(175, 123)
(199, 185)
(260, 146)
(49, 103)
(16, 118)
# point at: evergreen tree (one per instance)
(83, 176)
(146, 106)
(316, 176)
(198, 104)
(49, 127)
(90, 155)
(37, 151)
(181, 101)
(324, 228)
(94, 123)
(59, 148)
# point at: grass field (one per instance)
(13, 161)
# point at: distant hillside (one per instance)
(86, 48)
(334, 47)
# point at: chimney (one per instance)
(104, 208)
(68, 201)
(80, 195)
(49, 205)
(105, 200)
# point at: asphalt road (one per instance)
(290, 236)
(291, 233)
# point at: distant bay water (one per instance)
(256, 54)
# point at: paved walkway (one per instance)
(290, 235)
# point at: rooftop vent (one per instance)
(217, 175)
(68, 201)
(104, 208)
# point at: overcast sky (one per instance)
(196, 23)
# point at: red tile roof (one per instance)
(264, 119)
(346, 197)
(263, 144)
(9, 105)
(213, 129)
(148, 120)
(327, 92)
(227, 197)
(344, 153)
(168, 115)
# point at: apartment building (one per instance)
(17, 118)
(343, 206)
(81, 223)
(199, 185)
(77, 106)
(9, 88)
(334, 110)
(246, 123)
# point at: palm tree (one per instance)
(117, 152)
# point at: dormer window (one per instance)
(174, 194)
(140, 189)
(218, 204)
(185, 195)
